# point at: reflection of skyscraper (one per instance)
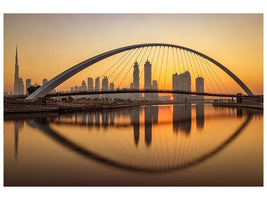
(97, 119)
(83, 119)
(239, 112)
(104, 119)
(135, 117)
(200, 115)
(111, 118)
(90, 119)
(155, 114)
(147, 78)
(182, 118)
(148, 125)
(18, 124)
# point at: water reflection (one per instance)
(182, 118)
(18, 125)
(135, 122)
(200, 115)
(181, 121)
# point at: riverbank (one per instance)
(239, 105)
(67, 107)
(27, 108)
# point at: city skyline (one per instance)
(230, 49)
(137, 96)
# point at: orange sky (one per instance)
(48, 44)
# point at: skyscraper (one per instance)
(28, 84)
(111, 86)
(200, 86)
(154, 87)
(83, 86)
(175, 85)
(105, 83)
(97, 84)
(21, 86)
(147, 78)
(90, 84)
(181, 82)
(16, 75)
(136, 76)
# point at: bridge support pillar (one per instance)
(239, 97)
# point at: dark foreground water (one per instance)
(179, 145)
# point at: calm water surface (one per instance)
(179, 145)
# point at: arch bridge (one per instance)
(57, 80)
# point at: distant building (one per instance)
(76, 89)
(83, 86)
(97, 84)
(154, 87)
(135, 84)
(105, 83)
(111, 86)
(16, 75)
(90, 84)
(44, 81)
(28, 84)
(21, 86)
(136, 76)
(147, 78)
(71, 89)
(18, 82)
(181, 82)
(200, 86)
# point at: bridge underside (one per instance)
(140, 91)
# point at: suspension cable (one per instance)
(166, 67)
(131, 67)
(217, 77)
(156, 63)
(121, 63)
(161, 65)
(115, 63)
(124, 66)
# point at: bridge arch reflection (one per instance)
(44, 126)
